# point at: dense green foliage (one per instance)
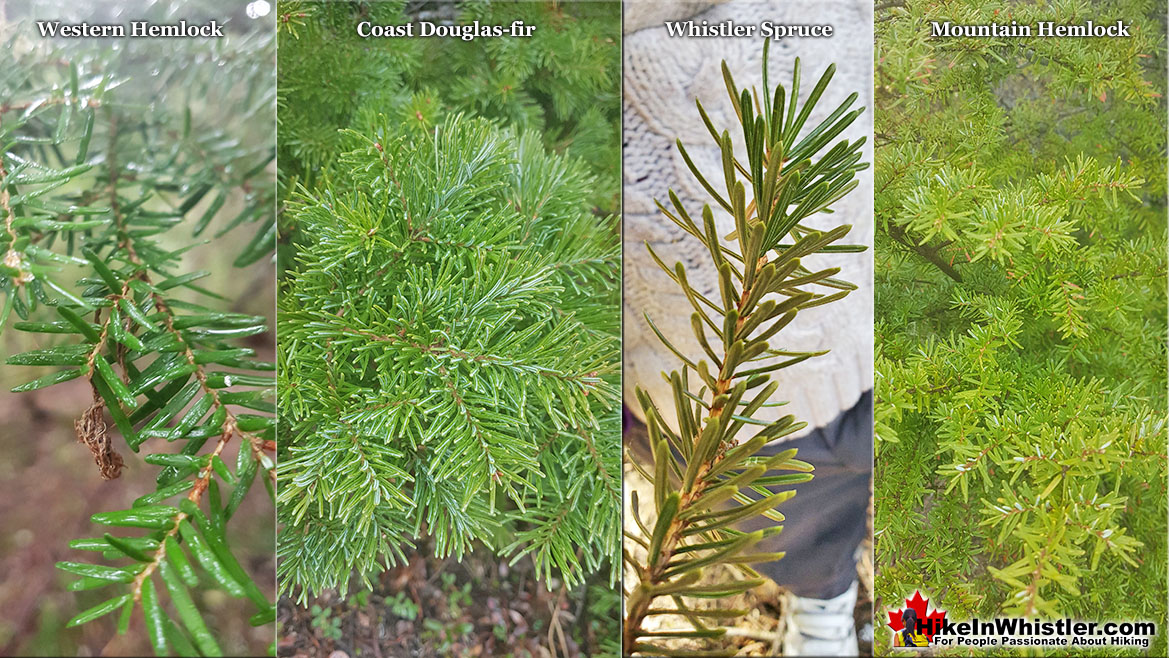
(562, 83)
(706, 481)
(449, 324)
(1021, 305)
(106, 165)
(449, 349)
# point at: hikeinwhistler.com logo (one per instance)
(917, 626)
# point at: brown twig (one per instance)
(12, 258)
(640, 601)
(929, 253)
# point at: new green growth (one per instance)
(1021, 297)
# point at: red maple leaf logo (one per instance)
(931, 621)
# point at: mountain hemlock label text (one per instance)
(1042, 29)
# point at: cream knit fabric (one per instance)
(640, 14)
(663, 76)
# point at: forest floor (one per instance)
(478, 606)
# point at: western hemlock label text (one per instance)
(138, 29)
(1042, 29)
(426, 29)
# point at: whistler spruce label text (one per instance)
(729, 28)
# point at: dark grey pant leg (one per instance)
(826, 520)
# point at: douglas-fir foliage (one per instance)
(450, 316)
(449, 349)
(104, 169)
(705, 480)
(1021, 362)
(562, 83)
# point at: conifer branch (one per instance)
(145, 352)
(702, 468)
(12, 257)
(492, 375)
(1036, 376)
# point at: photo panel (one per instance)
(1021, 323)
(748, 328)
(137, 188)
(449, 479)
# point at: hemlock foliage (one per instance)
(1021, 362)
(106, 165)
(704, 481)
(449, 321)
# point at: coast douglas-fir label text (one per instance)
(426, 29)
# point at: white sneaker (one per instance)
(819, 627)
